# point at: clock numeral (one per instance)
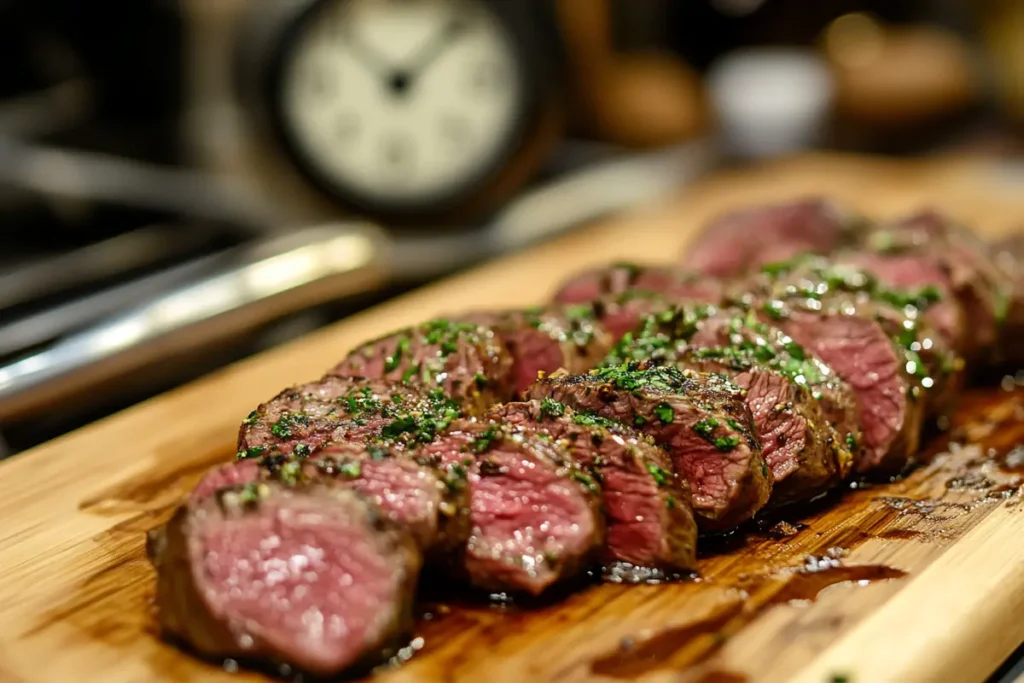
(398, 156)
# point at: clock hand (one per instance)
(366, 55)
(426, 56)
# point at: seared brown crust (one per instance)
(930, 373)
(806, 417)
(467, 361)
(700, 419)
(984, 290)
(336, 410)
(632, 470)
(473, 454)
(614, 279)
(545, 339)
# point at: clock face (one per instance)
(402, 102)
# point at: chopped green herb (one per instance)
(706, 427)
(395, 359)
(282, 429)
(551, 408)
(587, 418)
(670, 502)
(290, 472)
(726, 443)
(586, 480)
(251, 452)
(851, 442)
(251, 493)
(665, 413)
(639, 421)
(251, 418)
(302, 450)
(350, 469)
(659, 475)
(480, 380)
(484, 440)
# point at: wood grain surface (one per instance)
(918, 580)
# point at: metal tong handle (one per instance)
(278, 275)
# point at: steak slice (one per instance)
(741, 240)
(467, 361)
(985, 292)
(542, 340)
(701, 420)
(651, 533)
(534, 515)
(934, 370)
(916, 273)
(310, 576)
(412, 496)
(671, 281)
(805, 417)
(337, 410)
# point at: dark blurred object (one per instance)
(129, 52)
(703, 30)
(631, 98)
(1001, 25)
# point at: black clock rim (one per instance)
(533, 71)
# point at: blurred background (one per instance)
(186, 182)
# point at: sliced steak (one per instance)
(412, 496)
(310, 576)
(338, 410)
(467, 361)
(534, 515)
(701, 420)
(651, 533)
(815, 284)
(741, 240)
(670, 281)
(920, 274)
(862, 353)
(984, 291)
(542, 340)
(805, 417)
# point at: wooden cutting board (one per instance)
(919, 580)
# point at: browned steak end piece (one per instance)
(672, 282)
(338, 410)
(985, 292)
(542, 340)
(744, 239)
(534, 515)
(1008, 255)
(805, 417)
(467, 361)
(651, 533)
(701, 420)
(310, 576)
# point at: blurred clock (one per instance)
(411, 109)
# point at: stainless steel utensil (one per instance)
(289, 272)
